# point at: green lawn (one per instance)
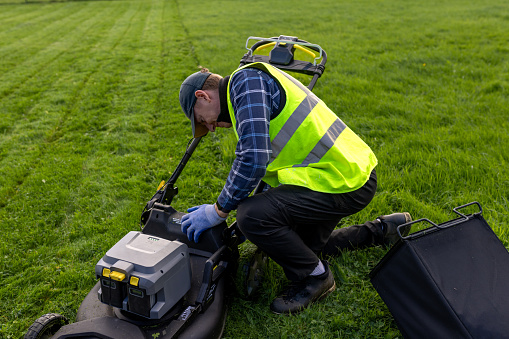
(90, 124)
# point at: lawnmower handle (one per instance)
(266, 42)
(299, 66)
(187, 155)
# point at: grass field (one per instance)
(90, 124)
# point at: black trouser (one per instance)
(293, 224)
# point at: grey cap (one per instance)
(187, 99)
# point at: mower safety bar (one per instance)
(282, 39)
(283, 56)
(305, 50)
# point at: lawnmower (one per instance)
(155, 283)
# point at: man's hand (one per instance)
(199, 219)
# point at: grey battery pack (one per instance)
(144, 274)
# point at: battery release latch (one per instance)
(117, 276)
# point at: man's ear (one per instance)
(202, 94)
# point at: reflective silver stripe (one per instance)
(293, 122)
(325, 143)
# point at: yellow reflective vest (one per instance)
(311, 146)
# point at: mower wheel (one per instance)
(46, 326)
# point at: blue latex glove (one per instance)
(199, 219)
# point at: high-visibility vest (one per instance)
(311, 146)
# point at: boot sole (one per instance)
(326, 293)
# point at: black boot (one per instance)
(301, 294)
(390, 224)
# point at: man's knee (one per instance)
(246, 216)
(257, 215)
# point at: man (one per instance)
(318, 169)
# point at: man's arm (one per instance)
(254, 96)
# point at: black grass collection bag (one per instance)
(447, 281)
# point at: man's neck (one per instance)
(224, 115)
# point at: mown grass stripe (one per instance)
(59, 219)
(26, 64)
(21, 104)
(63, 61)
(102, 114)
(52, 28)
(16, 27)
(55, 120)
(14, 11)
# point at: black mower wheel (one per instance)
(46, 326)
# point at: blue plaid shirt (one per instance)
(255, 98)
